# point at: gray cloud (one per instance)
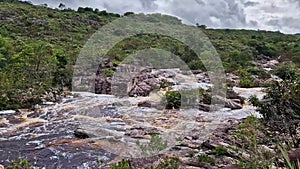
(253, 14)
(285, 22)
(250, 3)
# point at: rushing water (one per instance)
(46, 136)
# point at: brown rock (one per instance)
(144, 104)
(233, 166)
(294, 155)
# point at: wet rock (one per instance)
(233, 104)
(7, 112)
(232, 78)
(102, 81)
(3, 125)
(233, 166)
(141, 132)
(93, 130)
(204, 107)
(144, 104)
(294, 155)
(231, 94)
(195, 72)
(168, 74)
(207, 145)
(230, 103)
(140, 89)
(81, 134)
(15, 119)
(102, 85)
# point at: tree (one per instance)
(61, 6)
(128, 13)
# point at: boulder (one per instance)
(294, 155)
(142, 84)
(233, 104)
(204, 107)
(144, 104)
(141, 89)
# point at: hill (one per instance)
(39, 46)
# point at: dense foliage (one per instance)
(281, 110)
(39, 46)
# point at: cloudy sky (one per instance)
(282, 15)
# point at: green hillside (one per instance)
(39, 46)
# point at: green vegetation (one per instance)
(168, 163)
(281, 110)
(154, 146)
(246, 79)
(109, 73)
(124, 164)
(204, 158)
(39, 47)
(220, 151)
(173, 99)
(249, 134)
(20, 164)
(287, 71)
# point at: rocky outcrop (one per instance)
(102, 81)
(232, 101)
(143, 83)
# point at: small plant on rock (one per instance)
(220, 151)
(155, 145)
(20, 164)
(124, 164)
(204, 158)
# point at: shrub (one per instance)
(20, 164)
(204, 158)
(246, 80)
(254, 100)
(286, 72)
(169, 163)
(108, 72)
(280, 109)
(155, 145)
(220, 151)
(173, 100)
(124, 164)
(249, 135)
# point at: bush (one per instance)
(20, 164)
(124, 164)
(220, 151)
(169, 163)
(254, 100)
(280, 109)
(246, 80)
(286, 72)
(155, 145)
(204, 158)
(173, 100)
(108, 72)
(250, 135)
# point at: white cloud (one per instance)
(274, 15)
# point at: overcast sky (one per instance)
(282, 15)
